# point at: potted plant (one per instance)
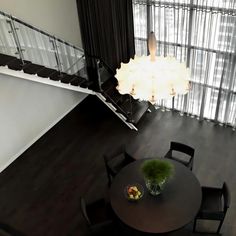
(156, 173)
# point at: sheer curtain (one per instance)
(203, 34)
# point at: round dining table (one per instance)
(175, 207)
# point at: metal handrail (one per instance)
(56, 54)
(39, 30)
(79, 59)
(104, 63)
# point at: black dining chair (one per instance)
(115, 161)
(7, 230)
(98, 216)
(215, 203)
(182, 153)
(188, 232)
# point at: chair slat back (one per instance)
(175, 146)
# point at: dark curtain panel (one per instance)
(107, 31)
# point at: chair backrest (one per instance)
(110, 173)
(115, 152)
(226, 195)
(84, 210)
(106, 161)
(180, 147)
(128, 158)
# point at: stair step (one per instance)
(32, 68)
(5, 59)
(113, 95)
(121, 116)
(109, 84)
(139, 109)
(78, 81)
(125, 107)
(66, 79)
(82, 82)
(133, 109)
(17, 64)
(47, 72)
(111, 106)
(57, 76)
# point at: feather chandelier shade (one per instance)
(151, 78)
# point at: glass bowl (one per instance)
(134, 192)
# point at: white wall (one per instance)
(57, 17)
(27, 110)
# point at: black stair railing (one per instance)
(131, 108)
(107, 86)
(24, 47)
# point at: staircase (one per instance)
(29, 53)
(125, 105)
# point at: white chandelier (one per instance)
(151, 78)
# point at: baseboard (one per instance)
(13, 158)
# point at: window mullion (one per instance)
(149, 21)
(189, 48)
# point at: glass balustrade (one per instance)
(28, 43)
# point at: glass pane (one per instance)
(233, 84)
(163, 104)
(231, 116)
(37, 47)
(223, 106)
(211, 98)
(193, 100)
(180, 53)
(207, 68)
(80, 64)
(140, 47)
(213, 31)
(7, 43)
(171, 24)
(229, 4)
(140, 20)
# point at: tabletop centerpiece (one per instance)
(134, 192)
(156, 173)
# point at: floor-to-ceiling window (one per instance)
(203, 34)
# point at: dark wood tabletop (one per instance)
(175, 207)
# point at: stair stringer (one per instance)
(20, 74)
(114, 110)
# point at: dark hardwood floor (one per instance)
(39, 192)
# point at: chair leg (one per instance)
(219, 227)
(194, 225)
(191, 165)
(109, 180)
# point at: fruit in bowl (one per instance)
(134, 192)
